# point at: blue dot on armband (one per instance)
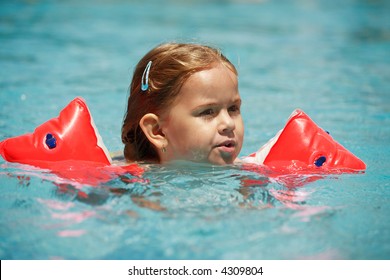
(51, 141)
(320, 161)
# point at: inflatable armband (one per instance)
(303, 146)
(69, 145)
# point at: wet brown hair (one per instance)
(172, 65)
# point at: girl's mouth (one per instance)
(227, 146)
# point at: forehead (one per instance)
(215, 77)
(218, 82)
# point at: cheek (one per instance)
(195, 138)
(192, 141)
(181, 136)
(240, 128)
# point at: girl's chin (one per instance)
(219, 158)
(223, 160)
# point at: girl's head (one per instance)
(184, 104)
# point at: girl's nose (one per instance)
(226, 122)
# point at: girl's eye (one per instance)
(234, 109)
(207, 112)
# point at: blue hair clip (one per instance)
(145, 77)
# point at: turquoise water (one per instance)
(329, 58)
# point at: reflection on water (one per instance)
(372, 34)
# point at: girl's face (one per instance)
(204, 123)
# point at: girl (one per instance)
(184, 104)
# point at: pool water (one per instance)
(329, 58)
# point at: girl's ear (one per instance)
(150, 125)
